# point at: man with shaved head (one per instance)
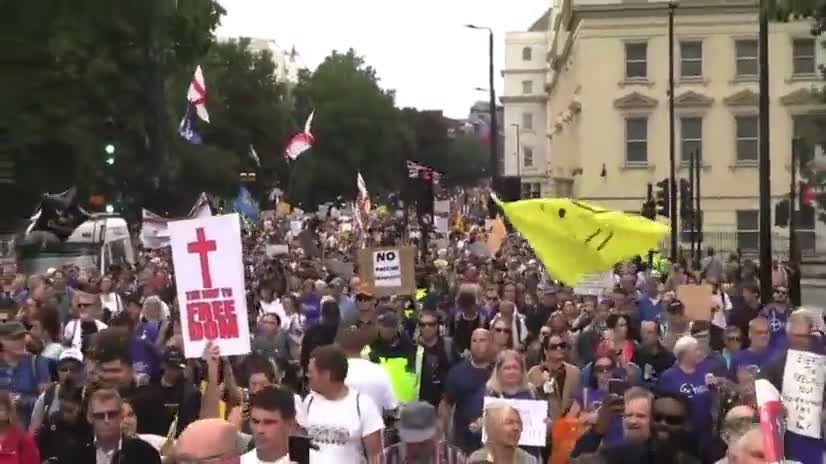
(208, 440)
(464, 390)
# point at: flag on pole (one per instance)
(254, 156)
(361, 210)
(197, 94)
(186, 129)
(301, 142)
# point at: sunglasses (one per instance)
(557, 346)
(428, 324)
(501, 329)
(669, 419)
(105, 415)
(603, 368)
(733, 339)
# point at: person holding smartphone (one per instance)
(602, 390)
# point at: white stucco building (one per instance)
(525, 103)
(287, 62)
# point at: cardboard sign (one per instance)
(209, 275)
(697, 300)
(533, 414)
(388, 271)
(595, 284)
(803, 380)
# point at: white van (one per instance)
(100, 241)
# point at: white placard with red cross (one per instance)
(209, 274)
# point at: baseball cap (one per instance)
(174, 356)
(72, 354)
(364, 290)
(12, 329)
(388, 319)
(417, 422)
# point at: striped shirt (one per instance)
(442, 453)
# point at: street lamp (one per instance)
(672, 161)
(518, 147)
(494, 126)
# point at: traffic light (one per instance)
(110, 149)
(807, 195)
(649, 209)
(781, 213)
(685, 199)
(664, 198)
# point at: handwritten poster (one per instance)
(209, 275)
(595, 283)
(533, 414)
(803, 380)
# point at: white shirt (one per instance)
(370, 379)
(112, 301)
(277, 308)
(338, 427)
(73, 333)
(251, 457)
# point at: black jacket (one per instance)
(132, 451)
(61, 442)
(155, 417)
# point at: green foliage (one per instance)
(70, 67)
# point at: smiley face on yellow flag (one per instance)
(573, 238)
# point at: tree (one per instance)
(467, 160)
(356, 128)
(62, 90)
(247, 106)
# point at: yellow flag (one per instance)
(573, 238)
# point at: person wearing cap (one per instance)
(398, 355)
(365, 306)
(421, 440)
(169, 398)
(23, 375)
(69, 368)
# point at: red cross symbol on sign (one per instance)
(202, 247)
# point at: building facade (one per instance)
(288, 63)
(525, 102)
(608, 110)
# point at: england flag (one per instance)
(197, 94)
(301, 142)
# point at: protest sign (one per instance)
(276, 250)
(533, 414)
(595, 283)
(697, 301)
(388, 271)
(803, 379)
(770, 409)
(209, 275)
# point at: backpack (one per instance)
(48, 397)
(358, 414)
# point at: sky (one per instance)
(419, 48)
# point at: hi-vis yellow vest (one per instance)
(405, 383)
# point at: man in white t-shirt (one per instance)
(344, 424)
(272, 418)
(363, 375)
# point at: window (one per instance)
(746, 57)
(635, 60)
(527, 54)
(527, 87)
(802, 133)
(747, 230)
(803, 56)
(747, 137)
(691, 138)
(636, 140)
(527, 121)
(691, 59)
(531, 190)
(527, 157)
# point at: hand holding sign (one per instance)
(212, 296)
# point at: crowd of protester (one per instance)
(92, 367)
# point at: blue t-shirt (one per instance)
(777, 316)
(745, 358)
(693, 387)
(310, 307)
(615, 435)
(23, 380)
(465, 387)
(649, 311)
